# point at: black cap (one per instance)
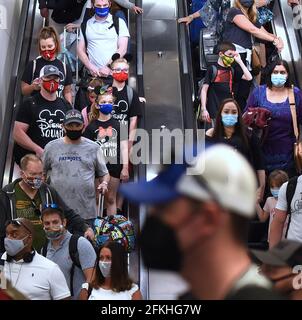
(285, 253)
(73, 116)
(50, 70)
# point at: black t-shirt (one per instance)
(108, 134)
(252, 152)
(234, 34)
(30, 74)
(44, 118)
(221, 87)
(122, 111)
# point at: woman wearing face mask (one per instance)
(49, 48)
(111, 280)
(241, 25)
(278, 145)
(229, 129)
(112, 137)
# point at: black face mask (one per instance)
(160, 249)
(247, 3)
(73, 135)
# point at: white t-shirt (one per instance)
(102, 39)
(103, 294)
(40, 279)
(295, 226)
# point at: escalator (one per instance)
(162, 68)
(283, 26)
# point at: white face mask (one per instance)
(105, 267)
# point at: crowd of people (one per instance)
(72, 153)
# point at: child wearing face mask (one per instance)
(91, 96)
(276, 179)
(113, 139)
(219, 80)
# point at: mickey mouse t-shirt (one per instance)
(108, 135)
(45, 120)
(122, 111)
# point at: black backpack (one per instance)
(115, 24)
(67, 11)
(74, 255)
(290, 191)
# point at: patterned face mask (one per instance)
(227, 61)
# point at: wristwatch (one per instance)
(85, 286)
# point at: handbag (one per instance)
(264, 15)
(257, 120)
(297, 144)
(256, 63)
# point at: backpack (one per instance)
(290, 191)
(213, 77)
(67, 11)
(74, 255)
(115, 228)
(115, 24)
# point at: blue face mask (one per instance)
(275, 192)
(229, 120)
(106, 108)
(102, 12)
(278, 80)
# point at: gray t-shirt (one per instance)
(72, 169)
(62, 258)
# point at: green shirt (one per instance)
(31, 209)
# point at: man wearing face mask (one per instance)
(219, 81)
(101, 37)
(25, 197)
(200, 219)
(74, 254)
(39, 118)
(30, 273)
(72, 163)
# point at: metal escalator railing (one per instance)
(21, 56)
(186, 72)
(283, 27)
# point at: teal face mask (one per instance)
(229, 120)
(278, 80)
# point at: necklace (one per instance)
(10, 275)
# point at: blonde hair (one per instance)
(120, 60)
(50, 32)
(250, 13)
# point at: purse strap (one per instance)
(291, 98)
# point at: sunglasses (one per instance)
(17, 223)
(36, 209)
(52, 206)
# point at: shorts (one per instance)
(115, 170)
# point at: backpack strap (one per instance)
(34, 69)
(115, 24)
(290, 191)
(44, 249)
(74, 255)
(83, 29)
(214, 72)
(129, 95)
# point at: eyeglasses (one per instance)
(119, 70)
(51, 205)
(17, 223)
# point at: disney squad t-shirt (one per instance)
(44, 118)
